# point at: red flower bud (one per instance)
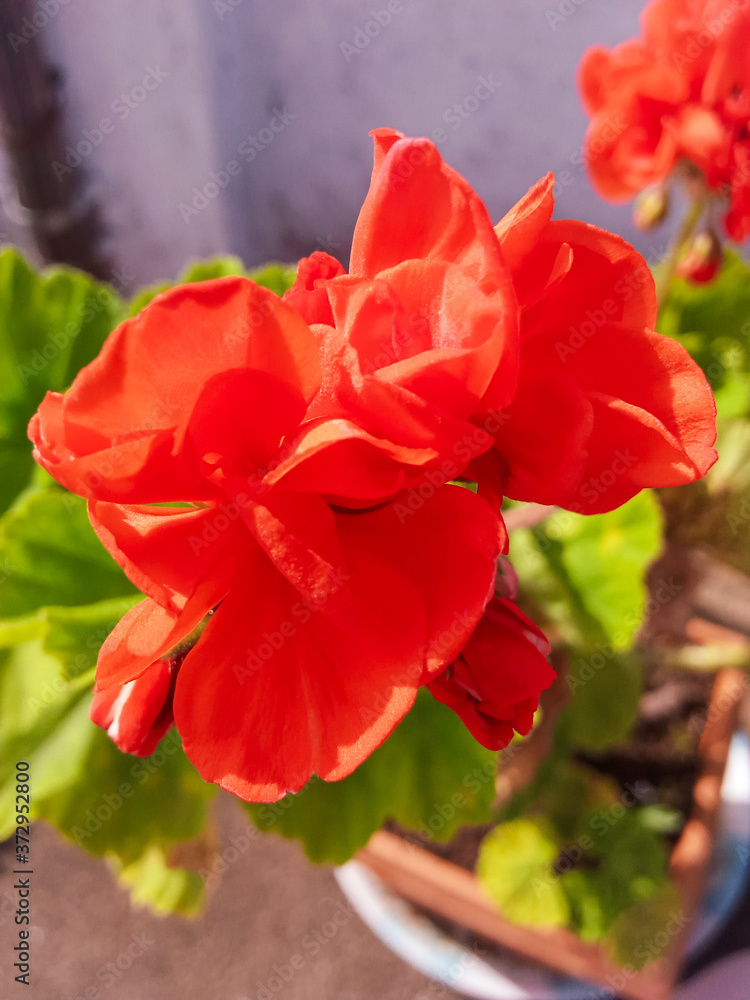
(136, 715)
(702, 260)
(495, 683)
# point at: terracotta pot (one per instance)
(454, 893)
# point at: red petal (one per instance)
(167, 552)
(418, 208)
(134, 715)
(519, 230)
(118, 420)
(263, 702)
(147, 632)
(308, 295)
(495, 684)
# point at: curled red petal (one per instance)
(139, 713)
(495, 683)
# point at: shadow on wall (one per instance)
(255, 140)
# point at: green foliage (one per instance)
(579, 853)
(161, 887)
(586, 572)
(109, 803)
(713, 322)
(51, 325)
(60, 596)
(277, 277)
(586, 578)
(515, 867)
(606, 690)
(53, 557)
(431, 775)
(643, 930)
(71, 594)
(75, 634)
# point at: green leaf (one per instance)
(626, 864)
(145, 295)
(587, 573)
(165, 890)
(642, 931)
(606, 689)
(110, 803)
(278, 277)
(217, 267)
(711, 323)
(516, 866)
(52, 556)
(430, 775)
(51, 324)
(34, 702)
(197, 270)
(75, 634)
(570, 794)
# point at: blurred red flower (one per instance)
(324, 610)
(677, 96)
(495, 682)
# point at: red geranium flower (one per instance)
(495, 683)
(425, 325)
(605, 406)
(600, 407)
(680, 92)
(322, 617)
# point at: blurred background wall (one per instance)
(206, 126)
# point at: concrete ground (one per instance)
(269, 906)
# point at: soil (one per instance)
(661, 756)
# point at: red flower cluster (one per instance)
(278, 476)
(678, 95)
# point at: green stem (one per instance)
(666, 272)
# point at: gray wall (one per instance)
(221, 72)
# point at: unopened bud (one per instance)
(702, 260)
(651, 208)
